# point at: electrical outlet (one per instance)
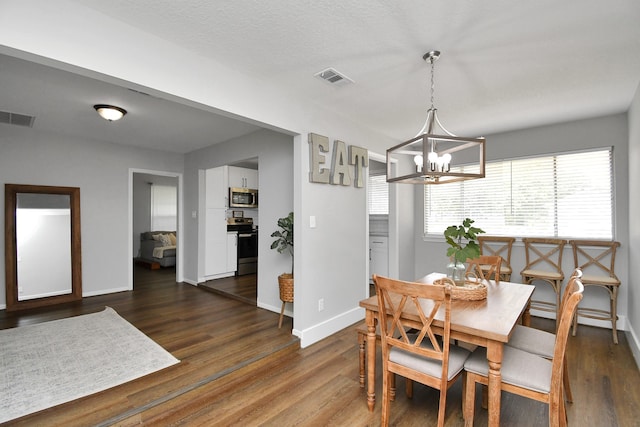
(321, 304)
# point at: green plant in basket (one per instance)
(457, 235)
(284, 236)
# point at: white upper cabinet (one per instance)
(217, 187)
(243, 177)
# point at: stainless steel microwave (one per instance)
(243, 197)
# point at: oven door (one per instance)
(247, 253)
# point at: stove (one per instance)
(247, 245)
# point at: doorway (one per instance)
(143, 221)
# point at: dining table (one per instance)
(488, 322)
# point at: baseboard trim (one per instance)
(328, 327)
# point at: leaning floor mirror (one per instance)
(42, 245)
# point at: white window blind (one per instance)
(564, 195)
(164, 208)
(378, 195)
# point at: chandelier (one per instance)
(435, 155)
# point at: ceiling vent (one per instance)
(334, 77)
(16, 119)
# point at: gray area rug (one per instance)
(55, 362)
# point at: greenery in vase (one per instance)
(284, 236)
(455, 234)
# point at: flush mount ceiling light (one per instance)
(110, 112)
(449, 158)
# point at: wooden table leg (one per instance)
(494, 358)
(371, 359)
(526, 316)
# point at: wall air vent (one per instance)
(334, 77)
(16, 119)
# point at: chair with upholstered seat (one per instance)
(542, 343)
(498, 246)
(485, 267)
(421, 357)
(544, 264)
(596, 258)
(527, 374)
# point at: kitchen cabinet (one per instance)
(220, 247)
(379, 255)
(232, 251)
(242, 177)
(216, 187)
(215, 242)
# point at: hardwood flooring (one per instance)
(242, 288)
(238, 368)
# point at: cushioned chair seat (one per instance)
(457, 356)
(605, 280)
(542, 273)
(519, 368)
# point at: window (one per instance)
(163, 208)
(564, 195)
(378, 195)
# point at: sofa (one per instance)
(158, 247)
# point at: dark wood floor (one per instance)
(242, 288)
(238, 368)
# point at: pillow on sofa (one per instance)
(163, 238)
(172, 236)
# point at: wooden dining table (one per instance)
(488, 323)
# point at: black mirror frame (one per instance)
(10, 247)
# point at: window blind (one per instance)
(378, 192)
(568, 195)
(164, 208)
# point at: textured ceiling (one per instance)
(504, 65)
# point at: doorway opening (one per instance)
(155, 222)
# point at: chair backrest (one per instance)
(595, 257)
(575, 293)
(543, 254)
(571, 287)
(421, 302)
(497, 245)
(485, 267)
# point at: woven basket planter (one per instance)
(285, 282)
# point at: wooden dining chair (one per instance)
(527, 374)
(485, 267)
(544, 264)
(498, 246)
(421, 357)
(596, 258)
(541, 342)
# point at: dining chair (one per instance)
(500, 246)
(422, 356)
(524, 373)
(597, 260)
(541, 342)
(485, 267)
(544, 264)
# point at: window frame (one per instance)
(560, 226)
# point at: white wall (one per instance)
(633, 310)
(571, 136)
(101, 171)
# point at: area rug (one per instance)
(55, 362)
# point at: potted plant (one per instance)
(284, 242)
(459, 251)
